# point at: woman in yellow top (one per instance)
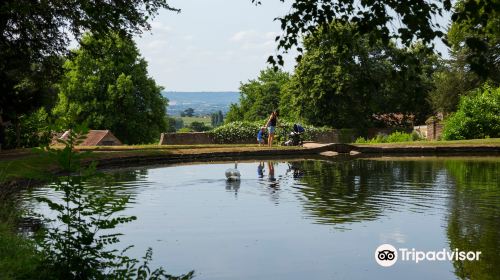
(271, 124)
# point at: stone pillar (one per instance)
(434, 128)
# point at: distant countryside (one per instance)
(204, 105)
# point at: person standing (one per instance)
(271, 124)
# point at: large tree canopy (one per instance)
(41, 28)
(475, 36)
(475, 57)
(111, 90)
(34, 34)
(404, 20)
(259, 97)
(344, 80)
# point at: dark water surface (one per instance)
(314, 219)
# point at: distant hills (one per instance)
(203, 103)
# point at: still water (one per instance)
(312, 219)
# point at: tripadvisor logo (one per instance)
(387, 255)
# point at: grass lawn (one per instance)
(472, 142)
(188, 120)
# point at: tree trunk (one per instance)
(2, 135)
(18, 134)
(2, 132)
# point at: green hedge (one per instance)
(242, 131)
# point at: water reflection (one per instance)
(260, 170)
(233, 186)
(295, 169)
(270, 181)
(456, 200)
(361, 190)
(474, 217)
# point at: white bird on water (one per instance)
(232, 174)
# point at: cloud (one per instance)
(244, 35)
(188, 37)
(155, 45)
(254, 40)
(157, 26)
(252, 35)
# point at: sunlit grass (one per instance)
(471, 142)
(188, 120)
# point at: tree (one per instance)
(214, 119)
(221, 118)
(217, 119)
(170, 124)
(344, 80)
(474, 47)
(450, 81)
(27, 87)
(258, 98)
(179, 123)
(111, 91)
(478, 116)
(189, 112)
(409, 20)
(198, 126)
(234, 114)
(35, 34)
(386, 20)
(475, 35)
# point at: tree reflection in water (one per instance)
(354, 191)
(359, 190)
(474, 216)
(344, 192)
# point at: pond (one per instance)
(313, 219)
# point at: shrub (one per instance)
(184, 130)
(391, 138)
(361, 140)
(242, 131)
(399, 137)
(478, 116)
(235, 132)
(34, 131)
(198, 126)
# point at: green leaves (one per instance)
(394, 137)
(345, 79)
(34, 37)
(478, 116)
(76, 244)
(475, 35)
(259, 97)
(106, 85)
(244, 132)
(409, 20)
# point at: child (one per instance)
(260, 136)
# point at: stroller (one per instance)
(294, 138)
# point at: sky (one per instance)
(213, 45)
